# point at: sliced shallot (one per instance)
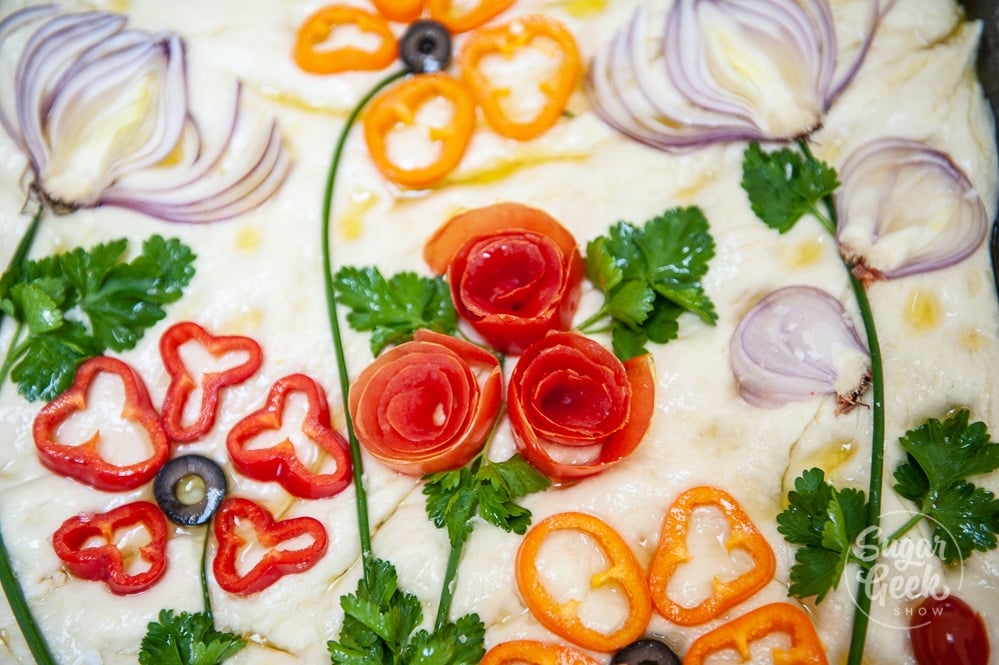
(795, 344)
(707, 71)
(102, 114)
(904, 208)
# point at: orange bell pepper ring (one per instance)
(312, 57)
(532, 652)
(672, 553)
(458, 20)
(805, 649)
(403, 11)
(534, 31)
(623, 571)
(398, 107)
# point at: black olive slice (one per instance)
(425, 47)
(189, 489)
(646, 652)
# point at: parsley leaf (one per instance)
(381, 621)
(486, 489)
(941, 456)
(650, 276)
(826, 522)
(393, 309)
(187, 639)
(83, 302)
(785, 185)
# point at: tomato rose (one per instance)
(515, 272)
(427, 405)
(575, 408)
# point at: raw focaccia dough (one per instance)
(259, 275)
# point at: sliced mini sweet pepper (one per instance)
(182, 383)
(313, 57)
(805, 647)
(623, 571)
(399, 106)
(85, 461)
(458, 17)
(234, 515)
(536, 31)
(88, 545)
(403, 11)
(672, 553)
(281, 462)
(532, 652)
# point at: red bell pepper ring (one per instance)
(85, 461)
(182, 382)
(111, 562)
(570, 398)
(805, 649)
(275, 561)
(515, 272)
(672, 553)
(281, 462)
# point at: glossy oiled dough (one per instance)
(260, 275)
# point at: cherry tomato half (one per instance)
(948, 631)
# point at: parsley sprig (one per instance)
(942, 455)
(481, 489)
(382, 627)
(827, 523)
(81, 303)
(187, 639)
(649, 276)
(394, 308)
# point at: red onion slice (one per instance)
(904, 208)
(795, 344)
(101, 113)
(724, 70)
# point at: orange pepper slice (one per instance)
(462, 20)
(398, 106)
(404, 11)
(531, 652)
(318, 27)
(737, 634)
(505, 41)
(672, 552)
(623, 570)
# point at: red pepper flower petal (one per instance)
(74, 544)
(85, 461)
(515, 272)
(281, 462)
(427, 405)
(182, 383)
(575, 409)
(276, 562)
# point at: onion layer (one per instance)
(99, 109)
(904, 208)
(795, 344)
(711, 71)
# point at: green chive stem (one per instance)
(361, 500)
(8, 578)
(862, 606)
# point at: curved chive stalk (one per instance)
(8, 578)
(862, 606)
(355, 448)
